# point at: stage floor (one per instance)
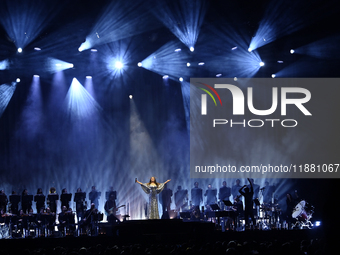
(149, 232)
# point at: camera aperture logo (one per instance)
(238, 105)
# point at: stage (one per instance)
(148, 233)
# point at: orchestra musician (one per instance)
(79, 199)
(224, 194)
(196, 195)
(66, 220)
(94, 196)
(65, 198)
(111, 209)
(52, 199)
(181, 198)
(14, 199)
(210, 193)
(26, 201)
(39, 200)
(49, 219)
(109, 192)
(165, 199)
(90, 219)
(3, 201)
(235, 189)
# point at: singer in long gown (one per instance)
(153, 188)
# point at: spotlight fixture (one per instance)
(188, 64)
(165, 76)
(180, 79)
(19, 50)
(292, 51)
(130, 96)
(192, 49)
(119, 65)
(261, 63)
(139, 64)
(18, 80)
(273, 75)
(88, 77)
(36, 76)
(250, 49)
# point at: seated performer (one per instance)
(90, 220)
(111, 209)
(49, 220)
(66, 221)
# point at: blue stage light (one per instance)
(4, 64)
(119, 65)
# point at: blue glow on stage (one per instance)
(120, 20)
(4, 64)
(6, 93)
(282, 18)
(79, 103)
(167, 62)
(183, 18)
(24, 20)
(55, 65)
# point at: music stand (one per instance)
(215, 207)
(185, 215)
(66, 197)
(227, 202)
(79, 196)
(53, 197)
(40, 199)
(14, 199)
(27, 199)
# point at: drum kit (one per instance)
(303, 212)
